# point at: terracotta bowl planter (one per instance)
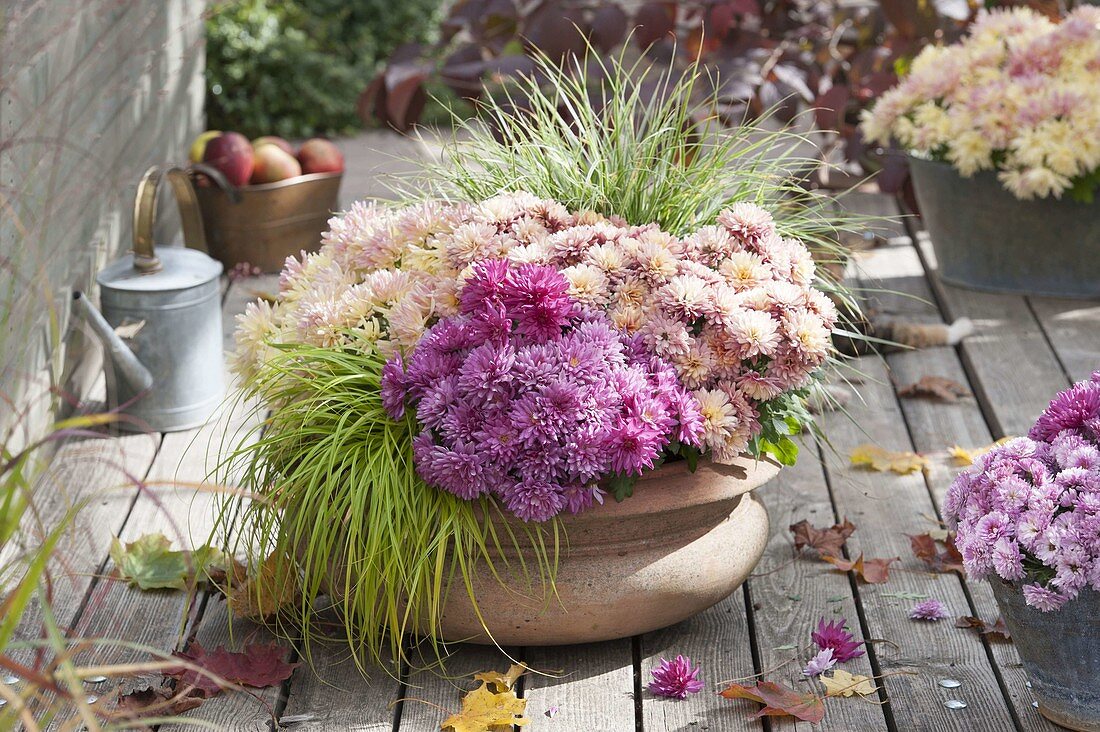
(683, 542)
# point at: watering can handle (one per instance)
(145, 213)
(231, 191)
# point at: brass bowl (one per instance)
(264, 224)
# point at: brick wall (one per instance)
(92, 92)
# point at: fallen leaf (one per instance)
(879, 459)
(843, 683)
(939, 534)
(778, 701)
(483, 710)
(259, 665)
(873, 571)
(274, 587)
(151, 564)
(156, 701)
(927, 550)
(964, 456)
(935, 387)
(825, 541)
(996, 631)
(500, 683)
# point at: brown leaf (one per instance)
(927, 550)
(826, 541)
(259, 665)
(934, 387)
(156, 701)
(778, 701)
(873, 571)
(997, 631)
(273, 588)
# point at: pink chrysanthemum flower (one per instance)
(833, 636)
(820, 663)
(675, 679)
(930, 610)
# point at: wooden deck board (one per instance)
(793, 593)
(935, 426)
(589, 687)
(718, 641)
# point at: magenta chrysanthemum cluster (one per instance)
(675, 679)
(732, 306)
(1028, 511)
(533, 398)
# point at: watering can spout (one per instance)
(125, 362)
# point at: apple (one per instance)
(273, 140)
(199, 145)
(272, 164)
(230, 153)
(320, 156)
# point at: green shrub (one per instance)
(295, 68)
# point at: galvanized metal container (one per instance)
(1061, 654)
(168, 372)
(264, 224)
(987, 239)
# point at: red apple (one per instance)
(198, 147)
(320, 156)
(274, 140)
(230, 153)
(273, 164)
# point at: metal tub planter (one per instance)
(987, 239)
(1061, 654)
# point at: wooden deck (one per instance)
(1024, 350)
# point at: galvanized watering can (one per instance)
(168, 374)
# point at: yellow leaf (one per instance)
(876, 458)
(843, 683)
(484, 711)
(964, 456)
(499, 682)
(261, 596)
(939, 534)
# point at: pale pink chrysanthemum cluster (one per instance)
(732, 306)
(1028, 511)
(1019, 95)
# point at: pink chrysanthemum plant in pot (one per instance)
(1006, 120)
(1028, 517)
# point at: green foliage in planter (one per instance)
(333, 496)
(295, 68)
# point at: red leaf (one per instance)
(778, 701)
(608, 26)
(259, 665)
(926, 550)
(653, 22)
(826, 541)
(873, 571)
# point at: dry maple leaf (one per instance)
(484, 710)
(273, 588)
(996, 631)
(872, 571)
(259, 665)
(964, 456)
(879, 459)
(156, 701)
(500, 683)
(925, 549)
(778, 701)
(935, 387)
(843, 683)
(826, 541)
